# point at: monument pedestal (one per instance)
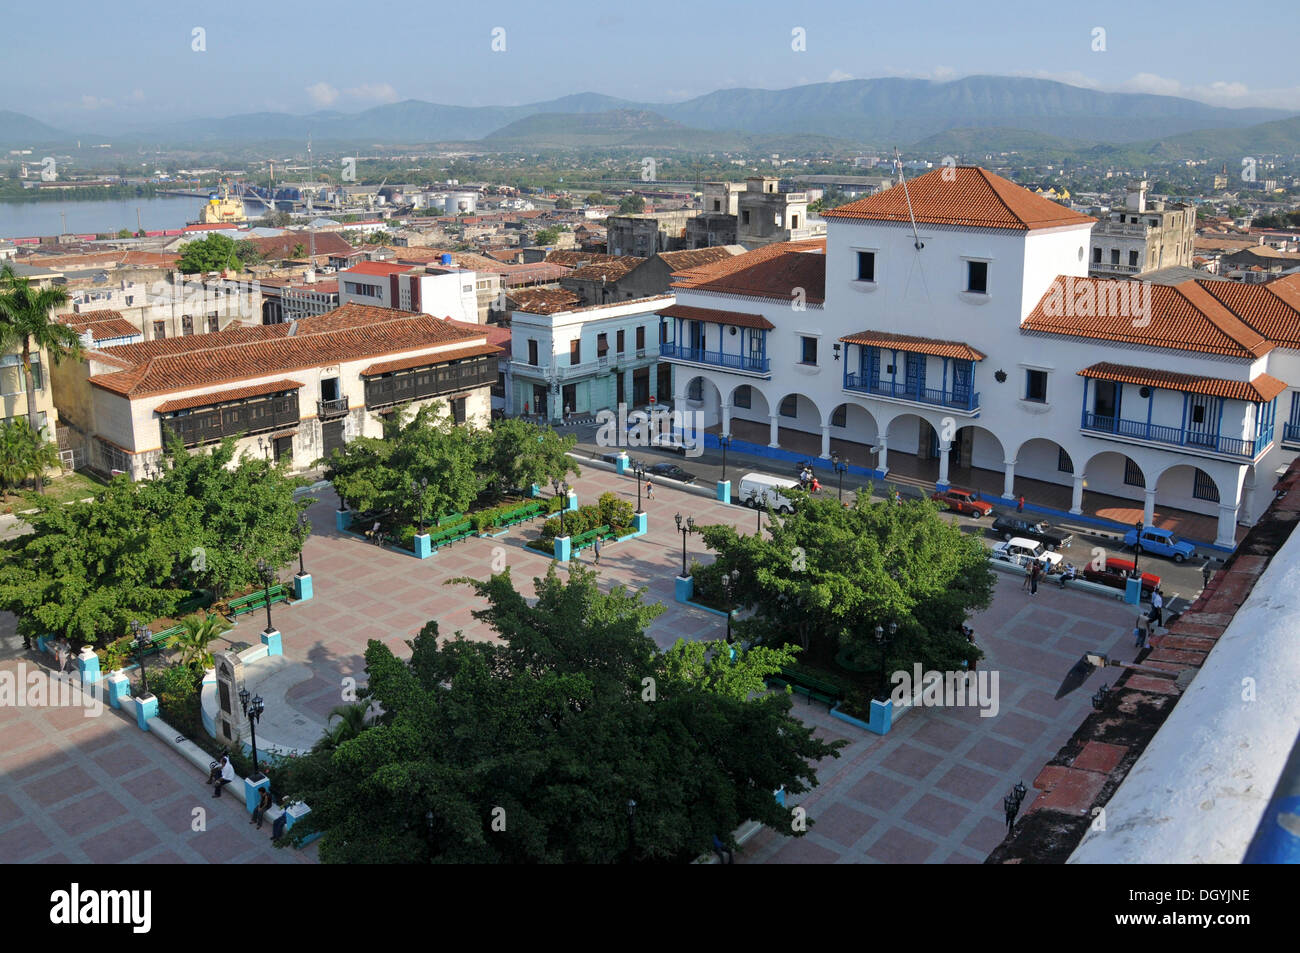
(302, 587)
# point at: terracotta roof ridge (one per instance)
(1225, 320)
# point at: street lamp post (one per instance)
(685, 527)
(143, 637)
(1011, 803)
(303, 523)
(253, 711)
(840, 467)
(1137, 547)
(724, 442)
(418, 490)
(729, 582)
(884, 638)
(638, 470)
(558, 486)
(267, 574)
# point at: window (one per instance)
(809, 351)
(1133, 259)
(695, 389)
(1096, 255)
(794, 221)
(744, 217)
(11, 374)
(575, 352)
(663, 332)
(159, 330)
(977, 277)
(1114, 256)
(1036, 386)
(640, 337)
(840, 416)
(602, 345)
(187, 324)
(1133, 474)
(362, 291)
(1198, 413)
(717, 205)
(1204, 487)
(866, 266)
(458, 409)
(213, 323)
(790, 406)
(1063, 461)
(743, 397)
(532, 352)
(618, 341)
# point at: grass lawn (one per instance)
(61, 489)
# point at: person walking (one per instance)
(1140, 631)
(1020, 503)
(1206, 575)
(1029, 571)
(1034, 572)
(595, 550)
(649, 490)
(1157, 607)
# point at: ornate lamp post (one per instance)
(724, 442)
(264, 447)
(729, 583)
(253, 711)
(1011, 803)
(1137, 547)
(885, 638)
(840, 466)
(418, 490)
(301, 526)
(143, 637)
(685, 527)
(267, 574)
(561, 487)
(638, 470)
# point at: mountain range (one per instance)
(873, 113)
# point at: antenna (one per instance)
(916, 239)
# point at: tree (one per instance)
(596, 198)
(520, 453)
(25, 323)
(248, 253)
(631, 205)
(193, 643)
(546, 236)
(124, 233)
(214, 253)
(552, 731)
(379, 238)
(298, 250)
(828, 575)
(23, 454)
(352, 720)
(563, 204)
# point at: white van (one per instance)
(760, 490)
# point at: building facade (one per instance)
(1143, 236)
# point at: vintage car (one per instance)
(1008, 525)
(962, 501)
(1021, 551)
(1161, 542)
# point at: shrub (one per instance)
(615, 513)
(175, 688)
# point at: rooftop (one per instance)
(772, 271)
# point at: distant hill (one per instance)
(19, 130)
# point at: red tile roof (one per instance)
(1182, 317)
(428, 360)
(964, 195)
(282, 246)
(772, 271)
(696, 257)
(917, 345)
(1272, 309)
(543, 300)
(611, 270)
(380, 268)
(222, 396)
(713, 316)
(102, 325)
(1261, 388)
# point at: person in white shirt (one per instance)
(1157, 607)
(227, 775)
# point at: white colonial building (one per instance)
(973, 341)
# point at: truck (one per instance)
(758, 490)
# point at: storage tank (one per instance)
(458, 203)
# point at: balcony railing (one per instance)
(422, 382)
(331, 408)
(960, 399)
(1291, 433)
(737, 362)
(1177, 436)
(210, 424)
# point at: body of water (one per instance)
(25, 219)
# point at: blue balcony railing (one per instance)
(736, 362)
(961, 400)
(1210, 442)
(1291, 433)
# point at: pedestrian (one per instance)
(566, 411)
(1067, 574)
(58, 654)
(227, 775)
(595, 549)
(263, 802)
(898, 498)
(1020, 503)
(214, 769)
(1157, 607)
(1140, 631)
(1029, 571)
(1206, 575)
(649, 490)
(1035, 571)
(280, 823)
(723, 851)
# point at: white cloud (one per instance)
(373, 92)
(838, 76)
(95, 102)
(1068, 77)
(944, 73)
(1218, 93)
(322, 94)
(1151, 83)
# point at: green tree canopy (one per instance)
(631, 205)
(546, 236)
(528, 751)
(214, 253)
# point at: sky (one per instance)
(97, 65)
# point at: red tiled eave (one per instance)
(225, 396)
(713, 316)
(916, 345)
(1262, 388)
(430, 360)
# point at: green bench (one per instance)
(583, 540)
(812, 688)
(528, 511)
(256, 600)
(451, 534)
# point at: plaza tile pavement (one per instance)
(931, 790)
(98, 790)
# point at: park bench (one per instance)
(256, 600)
(583, 540)
(447, 535)
(521, 513)
(812, 688)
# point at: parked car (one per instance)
(962, 501)
(759, 490)
(1009, 525)
(1114, 571)
(1161, 542)
(1021, 551)
(672, 471)
(671, 442)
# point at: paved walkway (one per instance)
(931, 790)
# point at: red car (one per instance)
(1115, 573)
(962, 501)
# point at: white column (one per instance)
(826, 441)
(1076, 501)
(1149, 507)
(1009, 479)
(726, 420)
(775, 427)
(882, 459)
(945, 447)
(1247, 501)
(1227, 525)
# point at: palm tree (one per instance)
(352, 720)
(22, 455)
(193, 642)
(25, 322)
